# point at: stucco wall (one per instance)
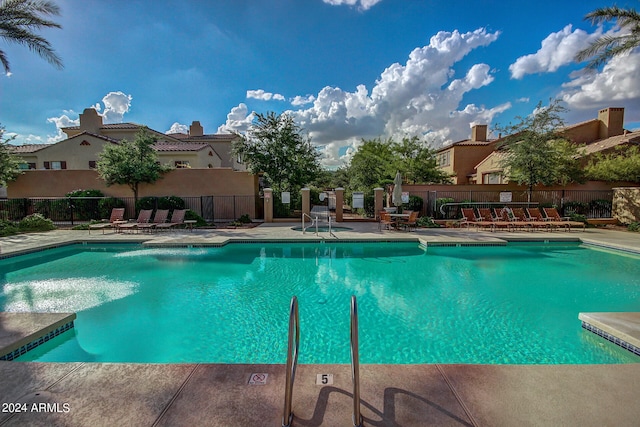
(178, 182)
(626, 204)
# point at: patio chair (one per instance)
(469, 218)
(553, 214)
(143, 218)
(412, 221)
(177, 219)
(117, 214)
(536, 214)
(385, 221)
(160, 217)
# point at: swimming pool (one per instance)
(505, 304)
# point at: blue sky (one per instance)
(346, 69)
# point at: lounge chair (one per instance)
(117, 214)
(159, 218)
(536, 214)
(177, 219)
(469, 218)
(485, 215)
(143, 218)
(522, 216)
(552, 213)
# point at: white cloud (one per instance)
(616, 83)
(238, 120)
(116, 105)
(264, 96)
(302, 100)
(61, 122)
(362, 4)
(557, 49)
(178, 128)
(419, 98)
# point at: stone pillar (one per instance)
(306, 201)
(378, 193)
(268, 205)
(339, 203)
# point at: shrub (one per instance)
(85, 209)
(415, 203)
(441, 201)
(149, 202)
(7, 228)
(634, 226)
(15, 209)
(36, 222)
(578, 217)
(244, 219)
(575, 208)
(107, 204)
(427, 222)
(191, 215)
(170, 202)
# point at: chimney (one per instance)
(479, 133)
(611, 122)
(196, 129)
(90, 121)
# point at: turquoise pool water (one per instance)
(499, 305)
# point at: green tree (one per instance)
(417, 162)
(276, 147)
(9, 162)
(536, 151)
(18, 21)
(620, 165)
(131, 162)
(608, 46)
(372, 165)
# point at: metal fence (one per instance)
(447, 204)
(74, 210)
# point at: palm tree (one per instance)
(608, 46)
(18, 21)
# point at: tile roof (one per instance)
(110, 126)
(214, 137)
(464, 143)
(612, 142)
(28, 148)
(181, 146)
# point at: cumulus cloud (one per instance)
(420, 97)
(178, 128)
(116, 105)
(264, 96)
(361, 4)
(617, 82)
(113, 108)
(557, 49)
(61, 122)
(238, 120)
(302, 100)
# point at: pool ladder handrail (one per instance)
(355, 364)
(292, 360)
(313, 221)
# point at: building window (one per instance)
(492, 178)
(182, 164)
(444, 159)
(57, 165)
(85, 142)
(92, 164)
(27, 166)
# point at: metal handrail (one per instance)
(355, 364)
(312, 222)
(292, 360)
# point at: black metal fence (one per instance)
(447, 204)
(73, 210)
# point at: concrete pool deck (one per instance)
(392, 395)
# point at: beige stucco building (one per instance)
(81, 150)
(460, 158)
(600, 135)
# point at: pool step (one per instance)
(22, 332)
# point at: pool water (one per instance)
(491, 305)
